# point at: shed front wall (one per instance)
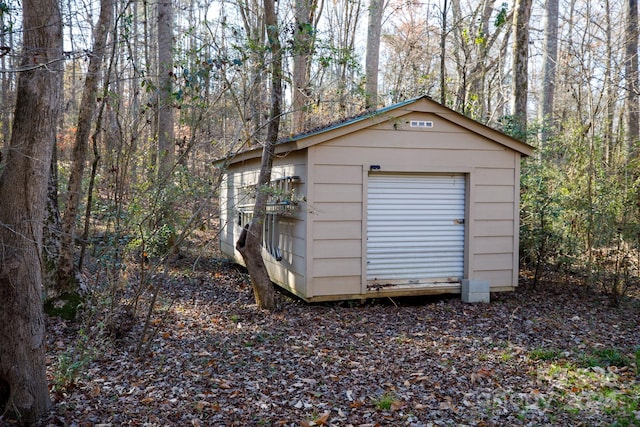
(339, 171)
(290, 272)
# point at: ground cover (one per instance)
(556, 355)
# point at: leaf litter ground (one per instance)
(557, 355)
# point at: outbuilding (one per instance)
(412, 199)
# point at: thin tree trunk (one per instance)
(631, 76)
(443, 45)
(374, 32)
(96, 159)
(520, 85)
(549, 61)
(250, 242)
(166, 143)
(23, 190)
(303, 47)
(67, 274)
(609, 136)
(461, 58)
(52, 229)
(253, 87)
(7, 86)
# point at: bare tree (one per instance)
(609, 84)
(166, 143)
(7, 80)
(406, 57)
(252, 102)
(549, 61)
(475, 55)
(67, 278)
(23, 189)
(338, 79)
(520, 77)
(443, 45)
(631, 77)
(374, 32)
(250, 242)
(307, 13)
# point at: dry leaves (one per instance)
(216, 360)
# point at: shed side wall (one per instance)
(290, 272)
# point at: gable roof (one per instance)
(395, 111)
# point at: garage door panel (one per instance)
(415, 227)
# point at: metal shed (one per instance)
(412, 199)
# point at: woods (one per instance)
(160, 95)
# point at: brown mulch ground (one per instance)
(557, 355)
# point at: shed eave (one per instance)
(420, 104)
(487, 132)
(253, 153)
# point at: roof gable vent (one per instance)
(421, 123)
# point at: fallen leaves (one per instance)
(218, 360)
(320, 421)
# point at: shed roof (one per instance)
(354, 124)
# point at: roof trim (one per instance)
(419, 104)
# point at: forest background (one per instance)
(154, 91)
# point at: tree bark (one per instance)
(7, 82)
(612, 90)
(52, 229)
(304, 37)
(250, 242)
(67, 281)
(372, 63)
(549, 61)
(23, 190)
(443, 45)
(251, 106)
(520, 85)
(166, 143)
(632, 80)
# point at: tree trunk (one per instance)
(461, 55)
(549, 61)
(52, 229)
(374, 32)
(520, 84)
(443, 45)
(166, 143)
(23, 190)
(67, 274)
(303, 46)
(251, 106)
(7, 85)
(250, 242)
(631, 76)
(612, 90)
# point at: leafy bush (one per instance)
(580, 212)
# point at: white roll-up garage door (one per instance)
(415, 229)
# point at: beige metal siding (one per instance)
(290, 272)
(496, 244)
(336, 229)
(340, 167)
